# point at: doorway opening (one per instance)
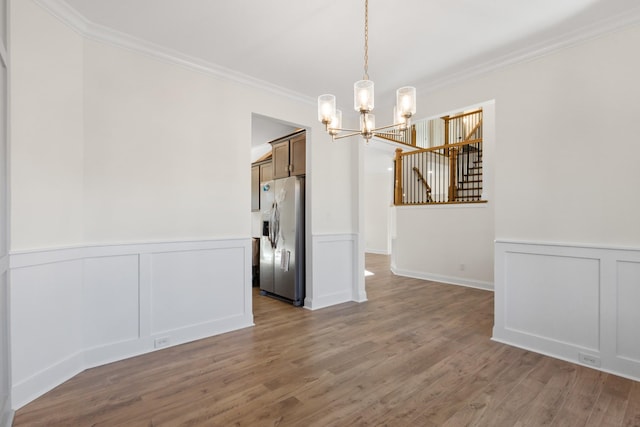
(281, 261)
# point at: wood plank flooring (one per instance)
(416, 354)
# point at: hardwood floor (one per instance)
(416, 354)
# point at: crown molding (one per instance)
(66, 14)
(90, 30)
(96, 32)
(536, 50)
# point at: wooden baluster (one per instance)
(446, 133)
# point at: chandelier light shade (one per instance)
(326, 108)
(336, 123)
(363, 95)
(367, 125)
(406, 101)
(363, 102)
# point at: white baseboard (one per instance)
(118, 351)
(361, 296)
(6, 413)
(45, 380)
(7, 418)
(377, 251)
(329, 300)
(469, 283)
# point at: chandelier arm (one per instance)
(347, 135)
(387, 127)
(345, 130)
(384, 135)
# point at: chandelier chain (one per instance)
(366, 40)
(331, 117)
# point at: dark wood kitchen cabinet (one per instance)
(289, 156)
(255, 188)
(260, 172)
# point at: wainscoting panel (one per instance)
(46, 327)
(628, 312)
(76, 308)
(577, 303)
(334, 276)
(187, 287)
(111, 302)
(554, 297)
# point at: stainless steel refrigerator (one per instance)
(282, 243)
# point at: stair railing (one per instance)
(448, 173)
(406, 137)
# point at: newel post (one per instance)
(397, 195)
(453, 168)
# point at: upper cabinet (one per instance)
(255, 188)
(266, 171)
(298, 155)
(260, 172)
(289, 156)
(280, 159)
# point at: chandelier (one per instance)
(363, 103)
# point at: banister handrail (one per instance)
(458, 116)
(451, 172)
(441, 147)
(426, 184)
(390, 138)
(472, 131)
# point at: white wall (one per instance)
(565, 160)
(130, 177)
(158, 162)
(557, 117)
(378, 196)
(585, 96)
(47, 131)
(451, 243)
(6, 413)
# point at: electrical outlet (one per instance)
(161, 342)
(588, 359)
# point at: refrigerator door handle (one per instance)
(274, 225)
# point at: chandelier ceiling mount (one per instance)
(364, 103)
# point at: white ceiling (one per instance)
(315, 47)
